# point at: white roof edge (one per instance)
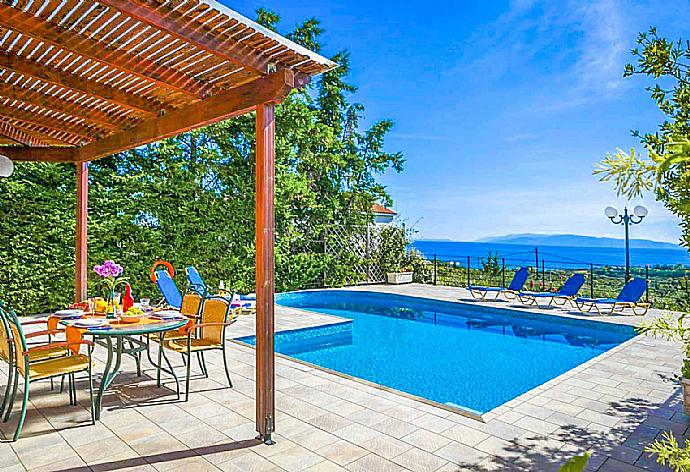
(272, 34)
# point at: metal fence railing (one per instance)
(668, 286)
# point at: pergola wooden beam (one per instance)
(19, 136)
(39, 29)
(265, 270)
(179, 26)
(74, 82)
(31, 97)
(234, 102)
(80, 246)
(42, 154)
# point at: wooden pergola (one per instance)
(80, 80)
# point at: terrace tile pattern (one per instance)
(613, 405)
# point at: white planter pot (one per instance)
(397, 278)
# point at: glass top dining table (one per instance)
(120, 338)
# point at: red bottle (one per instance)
(127, 300)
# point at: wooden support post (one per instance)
(265, 270)
(80, 259)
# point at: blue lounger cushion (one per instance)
(168, 289)
(631, 293)
(516, 284)
(569, 289)
(597, 300)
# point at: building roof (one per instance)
(81, 79)
(382, 210)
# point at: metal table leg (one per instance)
(109, 374)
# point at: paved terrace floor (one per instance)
(613, 405)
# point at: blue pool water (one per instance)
(465, 355)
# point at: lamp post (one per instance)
(626, 219)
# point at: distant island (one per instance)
(574, 240)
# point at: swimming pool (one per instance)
(464, 355)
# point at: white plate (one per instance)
(68, 313)
(89, 323)
(167, 314)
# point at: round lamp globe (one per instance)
(6, 166)
(610, 212)
(640, 211)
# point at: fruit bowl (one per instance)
(130, 318)
(133, 315)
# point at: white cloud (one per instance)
(586, 43)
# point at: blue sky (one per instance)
(501, 107)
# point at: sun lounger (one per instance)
(511, 291)
(246, 302)
(566, 293)
(168, 289)
(628, 298)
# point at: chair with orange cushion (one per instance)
(208, 334)
(69, 365)
(190, 307)
(7, 353)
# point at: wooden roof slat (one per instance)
(45, 134)
(29, 96)
(82, 45)
(49, 122)
(273, 87)
(181, 27)
(72, 81)
(19, 136)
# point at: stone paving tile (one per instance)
(342, 452)
(434, 423)
(465, 435)
(372, 462)
(426, 440)
(356, 433)
(326, 466)
(394, 427)
(249, 462)
(417, 460)
(535, 425)
(296, 459)
(314, 439)
(386, 446)
(461, 454)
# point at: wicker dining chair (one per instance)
(7, 353)
(208, 334)
(23, 366)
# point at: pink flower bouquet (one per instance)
(110, 273)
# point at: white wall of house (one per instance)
(383, 219)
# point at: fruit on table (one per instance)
(134, 312)
(100, 306)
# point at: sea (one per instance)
(561, 257)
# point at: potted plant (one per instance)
(401, 276)
(394, 257)
(674, 329)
